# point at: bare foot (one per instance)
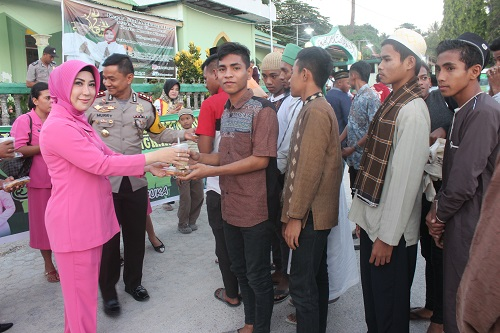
(283, 283)
(420, 314)
(277, 276)
(246, 329)
(435, 328)
(155, 242)
(233, 301)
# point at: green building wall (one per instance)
(14, 22)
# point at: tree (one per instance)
(493, 31)
(188, 64)
(461, 16)
(410, 26)
(364, 34)
(292, 12)
(432, 40)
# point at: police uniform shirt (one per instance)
(39, 72)
(121, 125)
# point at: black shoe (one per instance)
(5, 327)
(112, 307)
(139, 293)
(160, 248)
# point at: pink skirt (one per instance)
(37, 203)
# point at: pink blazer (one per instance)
(20, 130)
(80, 213)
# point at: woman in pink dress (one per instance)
(39, 187)
(80, 216)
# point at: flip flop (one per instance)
(280, 295)
(219, 294)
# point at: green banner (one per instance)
(160, 189)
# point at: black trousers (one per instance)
(279, 246)
(131, 208)
(216, 223)
(248, 250)
(309, 279)
(386, 289)
(433, 256)
(352, 178)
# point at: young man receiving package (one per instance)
(246, 164)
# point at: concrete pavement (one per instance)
(181, 283)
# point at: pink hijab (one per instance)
(61, 83)
(114, 34)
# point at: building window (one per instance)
(31, 49)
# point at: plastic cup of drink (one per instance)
(184, 147)
(13, 139)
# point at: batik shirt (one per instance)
(363, 108)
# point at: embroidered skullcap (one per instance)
(411, 40)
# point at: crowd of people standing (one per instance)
(420, 165)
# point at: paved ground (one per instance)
(181, 283)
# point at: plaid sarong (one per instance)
(373, 166)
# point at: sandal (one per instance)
(52, 276)
(219, 294)
(280, 295)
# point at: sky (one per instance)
(384, 15)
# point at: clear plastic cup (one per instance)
(184, 147)
(13, 139)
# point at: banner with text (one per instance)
(92, 33)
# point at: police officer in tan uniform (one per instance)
(40, 70)
(121, 116)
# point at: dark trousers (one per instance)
(216, 223)
(248, 250)
(352, 178)
(433, 256)
(131, 208)
(190, 202)
(386, 289)
(309, 279)
(279, 246)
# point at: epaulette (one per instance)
(145, 97)
(101, 94)
(34, 63)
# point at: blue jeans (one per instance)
(249, 251)
(309, 279)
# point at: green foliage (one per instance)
(493, 31)
(432, 40)
(410, 26)
(363, 33)
(464, 16)
(188, 64)
(289, 12)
